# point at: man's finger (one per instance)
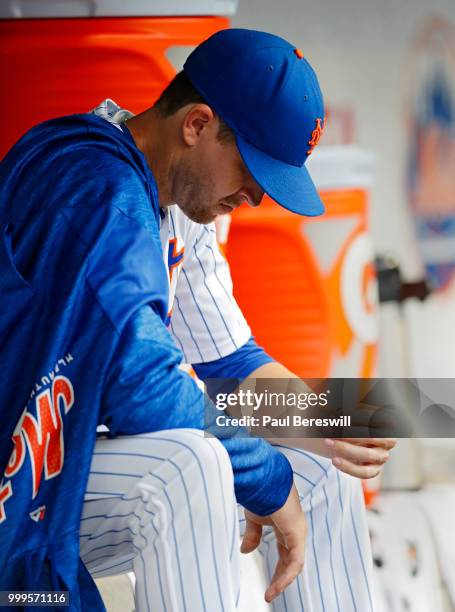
(359, 471)
(387, 443)
(290, 562)
(251, 537)
(358, 454)
(288, 568)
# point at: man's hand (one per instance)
(360, 457)
(290, 528)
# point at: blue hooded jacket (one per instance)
(83, 299)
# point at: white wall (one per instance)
(358, 48)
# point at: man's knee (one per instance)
(189, 455)
(206, 454)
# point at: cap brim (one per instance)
(290, 186)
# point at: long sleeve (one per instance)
(146, 391)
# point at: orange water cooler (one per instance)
(61, 57)
(307, 285)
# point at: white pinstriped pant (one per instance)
(163, 506)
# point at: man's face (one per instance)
(211, 178)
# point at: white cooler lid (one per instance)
(338, 167)
(24, 9)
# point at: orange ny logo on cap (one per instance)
(316, 135)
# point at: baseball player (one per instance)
(106, 240)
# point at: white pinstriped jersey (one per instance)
(205, 319)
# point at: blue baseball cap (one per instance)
(268, 94)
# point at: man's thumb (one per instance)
(251, 537)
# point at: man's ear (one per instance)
(197, 119)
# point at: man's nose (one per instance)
(257, 199)
(253, 197)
